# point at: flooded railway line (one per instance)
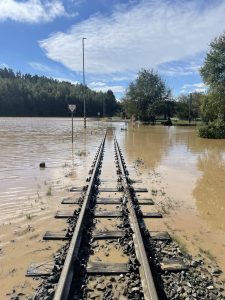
(109, 253)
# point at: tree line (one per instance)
(27, 95)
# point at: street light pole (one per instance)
(84, 85)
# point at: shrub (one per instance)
(214, 130)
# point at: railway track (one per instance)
(105, 256)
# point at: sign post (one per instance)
(72, 108)
(98, 118)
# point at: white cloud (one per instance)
(41, 67)
(123, 78)
(61, 79)
(143, 36)
(195, 87)
(103, 87)
(113, 88)
(183, 69)
(3, 65)
(31, 11)
(94, 84)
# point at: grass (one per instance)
(81, 153)
(154, 192)
(180, 243)
(28, 216)
(49, 191)
(164, 209)
(207, 253)
(186, 122)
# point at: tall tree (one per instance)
(143, 94)
(213, 73)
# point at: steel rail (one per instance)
(63, 287)
(148, 284)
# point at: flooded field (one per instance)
(185, 176)
(30, 196)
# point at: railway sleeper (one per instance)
(99, 201)
(106, 214)
(101, 235)
(99, 268)
(97, 235)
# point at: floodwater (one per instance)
(185, 176)
(24, 143)
(30, 196)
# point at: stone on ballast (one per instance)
(210, 287)
(100, 287)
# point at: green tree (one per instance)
(213, 73)
(165, 109)
(208, 108)
(186, 103)
(213, 106)
(213, 70)
(143, 94)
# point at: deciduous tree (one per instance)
(143, 94)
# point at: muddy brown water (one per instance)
(185, 176)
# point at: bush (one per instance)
(214, 130)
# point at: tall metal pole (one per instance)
(84, 85)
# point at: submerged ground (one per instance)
(184, 174)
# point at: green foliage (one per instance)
(213, 70)
(208, 254)
(182, 107)
(26, 95)
(145, 96)
(163, 108)
(185, 102)
(209, 107)
(180, 243)
(214, 130)
(213, 73)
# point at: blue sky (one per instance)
(44, 37)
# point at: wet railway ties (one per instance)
(108, 251)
